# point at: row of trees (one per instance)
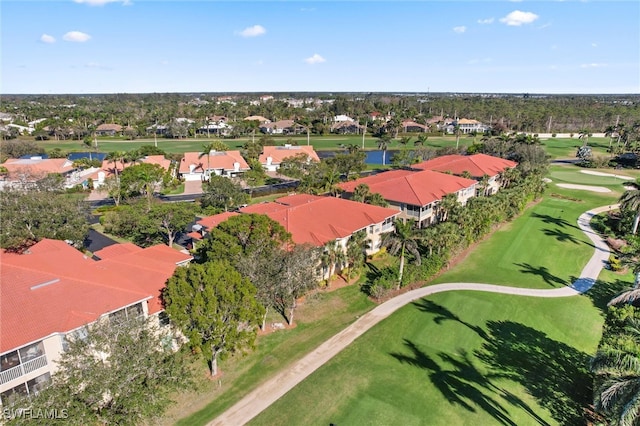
(247, 266)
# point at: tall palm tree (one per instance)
(356, 251)
(630, 200)
(332, 257)
(457, 131)
(206, 150)
(617, 369)
(383, 145)
(114, 157)
(403, 239)
(584, 136)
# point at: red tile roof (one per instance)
(417, 188)
(279, 153)
(210, 222)
(218, 160)
(317, 220)
(37, 167)
(55, 288)
(477, 165)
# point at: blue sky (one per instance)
(140, 46)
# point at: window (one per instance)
(9, 397)
(163, 319)
(32, 351)
(9, 360)
(128, 313)
(36, 385)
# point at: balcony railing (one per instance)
(22, 369)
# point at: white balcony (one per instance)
(22, 369)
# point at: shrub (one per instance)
(614, 263)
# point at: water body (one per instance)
(373, 157)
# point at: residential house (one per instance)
(282, 127)
(260, 119)
(341, 118)
(478, 166)
(346, 128)
(410, 126)
(218, 128)
(273, 156)
(109, 129)
(466, 126)
(157, 129)
(22, 172)
(109, 167)
(53, 291)
(317, 220)
(198, 166)
(415, 194)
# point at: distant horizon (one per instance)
(573, 47)
(330, 92)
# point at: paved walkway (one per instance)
(269, 392)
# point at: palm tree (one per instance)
(114, 157)
(630, 201)
(403, 239)
(584, 135)
(206, 150)
(331, 257)
(422, 139)
(457, 131)
(356, 251)
(446, 206)
(383, 145)
(617, 369)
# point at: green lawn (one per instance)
(567, 148)
(472, 357)
(456, 359)
(320, 317)
(532, 250)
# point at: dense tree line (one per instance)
(70, 116)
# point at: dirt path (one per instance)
(269, 392)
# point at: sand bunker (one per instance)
(592, 172)
(584, 187)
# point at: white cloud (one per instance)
(461, 29)
(46, 38)
(485, 21)
(594, 44)
(256, 30)
(102, 2)
(593, 65)
(97, 66)
(518, 17)
(76, 36)
(164, 62)
(315, 59)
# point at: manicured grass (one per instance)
(455, 359)
(472, 357)
(319, 318)
(567, 148)
(533, 250)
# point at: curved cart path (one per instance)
(270, 391)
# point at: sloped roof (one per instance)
(217, 160)
(279, 153)
(318, 220)
(477, 165)
(417, 188)
(109, 127)
(55, 288)
(109, 169)
(37, 167)
(259, 118)
(211, 222)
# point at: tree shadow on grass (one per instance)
(543, 273)
(443, 314)
(561, 236)
(550, 220)
(464, 385)
(603, 291)
(554, 373)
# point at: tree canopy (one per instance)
(215, 307)
(29, 216)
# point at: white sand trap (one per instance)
(592, 172)
(584, 187)
(546, 180)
